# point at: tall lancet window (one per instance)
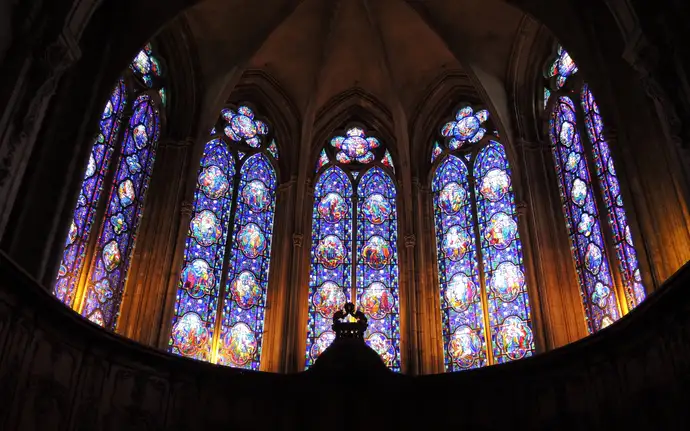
(354, 244)
(100, 242)
(221, 296)
(484, 301)
(581, 154)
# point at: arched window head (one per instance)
(221, 297)
(593, 206)
(354, 244)
(93, 270)
(484, 303)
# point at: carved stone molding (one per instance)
(186, 208)
(521, 208)
(297, 239)
(530, 145)
(173, 143)
(410, 240)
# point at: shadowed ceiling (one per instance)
(392, 49)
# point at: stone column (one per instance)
(277, 310)
(155, 267)
(552, 281)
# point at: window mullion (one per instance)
(226, 262)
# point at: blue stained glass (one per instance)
(198, 291)
(242, 321)
(92, 185)
(579, 207)
(323, 160)
(467, 127)
(465, 343)
(615, 211)
(330, 276)
(377, 264)
(123, 212)
(146, 66)
(355, 146)
(562, 68)
(508, 303)
(435, 152)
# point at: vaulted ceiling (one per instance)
(392, 49)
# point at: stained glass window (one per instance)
(485, 307)
(92, 274)
(354, 246)
(221, 298)
(123, 212)
(89, 196)
(615, 210)
(579, 158)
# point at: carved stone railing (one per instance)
(58, 371)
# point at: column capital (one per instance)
(297, 239)
(410, 240)
(186, 208)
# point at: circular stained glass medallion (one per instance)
(377, 300)
(243, 126)
(197, 278)
(579, 192)
(111, 255)
(573, 161)
(72, 235)
(332, 208)
(567, 134)
(256, 195)
(461, 292)
(452, 198)
(251, 240)
(507, 281)
(321, 343)
(205, 228)
(376, 208)
(466, 127)
(501, 231)
(593, 258)
(377, 253)
(91, 167)
(103, 291)
(495, 184)
(245, 290)
(601, 294)
(141, 138)
(514, 338)
(355, 146)
(189, 335)
(239, 345)
(328, 299)
(125, 191)
(383, 346)
(465, 347)
(455, 243)
(330, 252)
(213, 182)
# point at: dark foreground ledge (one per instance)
(59, 372)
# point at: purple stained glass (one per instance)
(330, 276)
(467, 127)
(100, 157)
(377, 264)
(323, 160)
(508, 303)
(198, 291)
(615, 211)
(123, 211)
(388, 161)
(147, 67)
(561, 68)
(242, 321)
(355, 146)
(242, 126)
(435, 152)
(464, 331)
(273, 149)
(580, 210)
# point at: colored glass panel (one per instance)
(273, 149)
(435, 152)
(355, 146)
(582, 217)
(123, 212)
(387, 161)
(377, 264)
(242, 321)
(90, 192)
(501, 250)
(147, 67)
(615, 211)
(198, 291)
(323, 160)
(241, 126)
(465, 343)
(330, 276)
(467, 127)
(561, 68)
